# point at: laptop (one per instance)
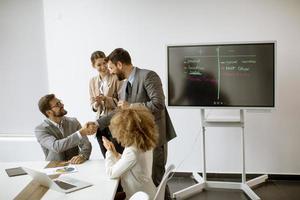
(62, 184)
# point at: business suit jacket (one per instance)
(111, 85)
(147, 90)
(58, 146)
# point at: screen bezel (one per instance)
(274, 42)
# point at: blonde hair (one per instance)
(135, 126)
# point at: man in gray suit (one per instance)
(62, 138)
(142, 87)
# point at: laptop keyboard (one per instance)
(64, 185)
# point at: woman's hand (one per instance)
(109, 146)
(99, 99)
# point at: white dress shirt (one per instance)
(135, 170)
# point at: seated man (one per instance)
(62, 138)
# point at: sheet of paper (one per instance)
(60, 170)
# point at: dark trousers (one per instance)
(160, 155)
(106, 133)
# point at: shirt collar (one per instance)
(105, 78)
(131, 76)
(56, 124)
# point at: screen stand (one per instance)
(203, 183)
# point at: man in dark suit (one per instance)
(142, 87)
(62, 138)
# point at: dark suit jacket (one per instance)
(62, 147)
(147, 90)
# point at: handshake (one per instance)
(89, 128)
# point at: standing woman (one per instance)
(103, 96)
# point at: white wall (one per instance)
(74, 29)
(23, 70)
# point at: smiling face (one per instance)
(56, 108)
(100, 65)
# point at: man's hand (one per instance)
(77, 159)
(89, 128)
(123, 104)
(109, 146)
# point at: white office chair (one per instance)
(139, 196)
(161, 189)
(160, 193)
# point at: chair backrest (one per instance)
(160, 194)
(139, 196)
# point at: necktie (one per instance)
(60, 127)
(128, 91)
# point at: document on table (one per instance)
(60, 170)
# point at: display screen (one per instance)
(222, 75)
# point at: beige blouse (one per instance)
(108, 86)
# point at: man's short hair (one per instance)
(44, 103)
(120, 55)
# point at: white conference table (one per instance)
(92, 171)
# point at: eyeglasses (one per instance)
(58, 104)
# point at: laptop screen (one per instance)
(64, 185)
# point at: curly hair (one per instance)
(135, 126)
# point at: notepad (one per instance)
(17, 171)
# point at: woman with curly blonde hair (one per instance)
(135, 129)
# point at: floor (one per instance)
(276, 188)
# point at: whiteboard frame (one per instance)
(253, 109)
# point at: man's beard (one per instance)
(120, 76)
(62, 112)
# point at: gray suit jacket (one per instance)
(62, 147)
(147, 90)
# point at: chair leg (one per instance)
(167, 193)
